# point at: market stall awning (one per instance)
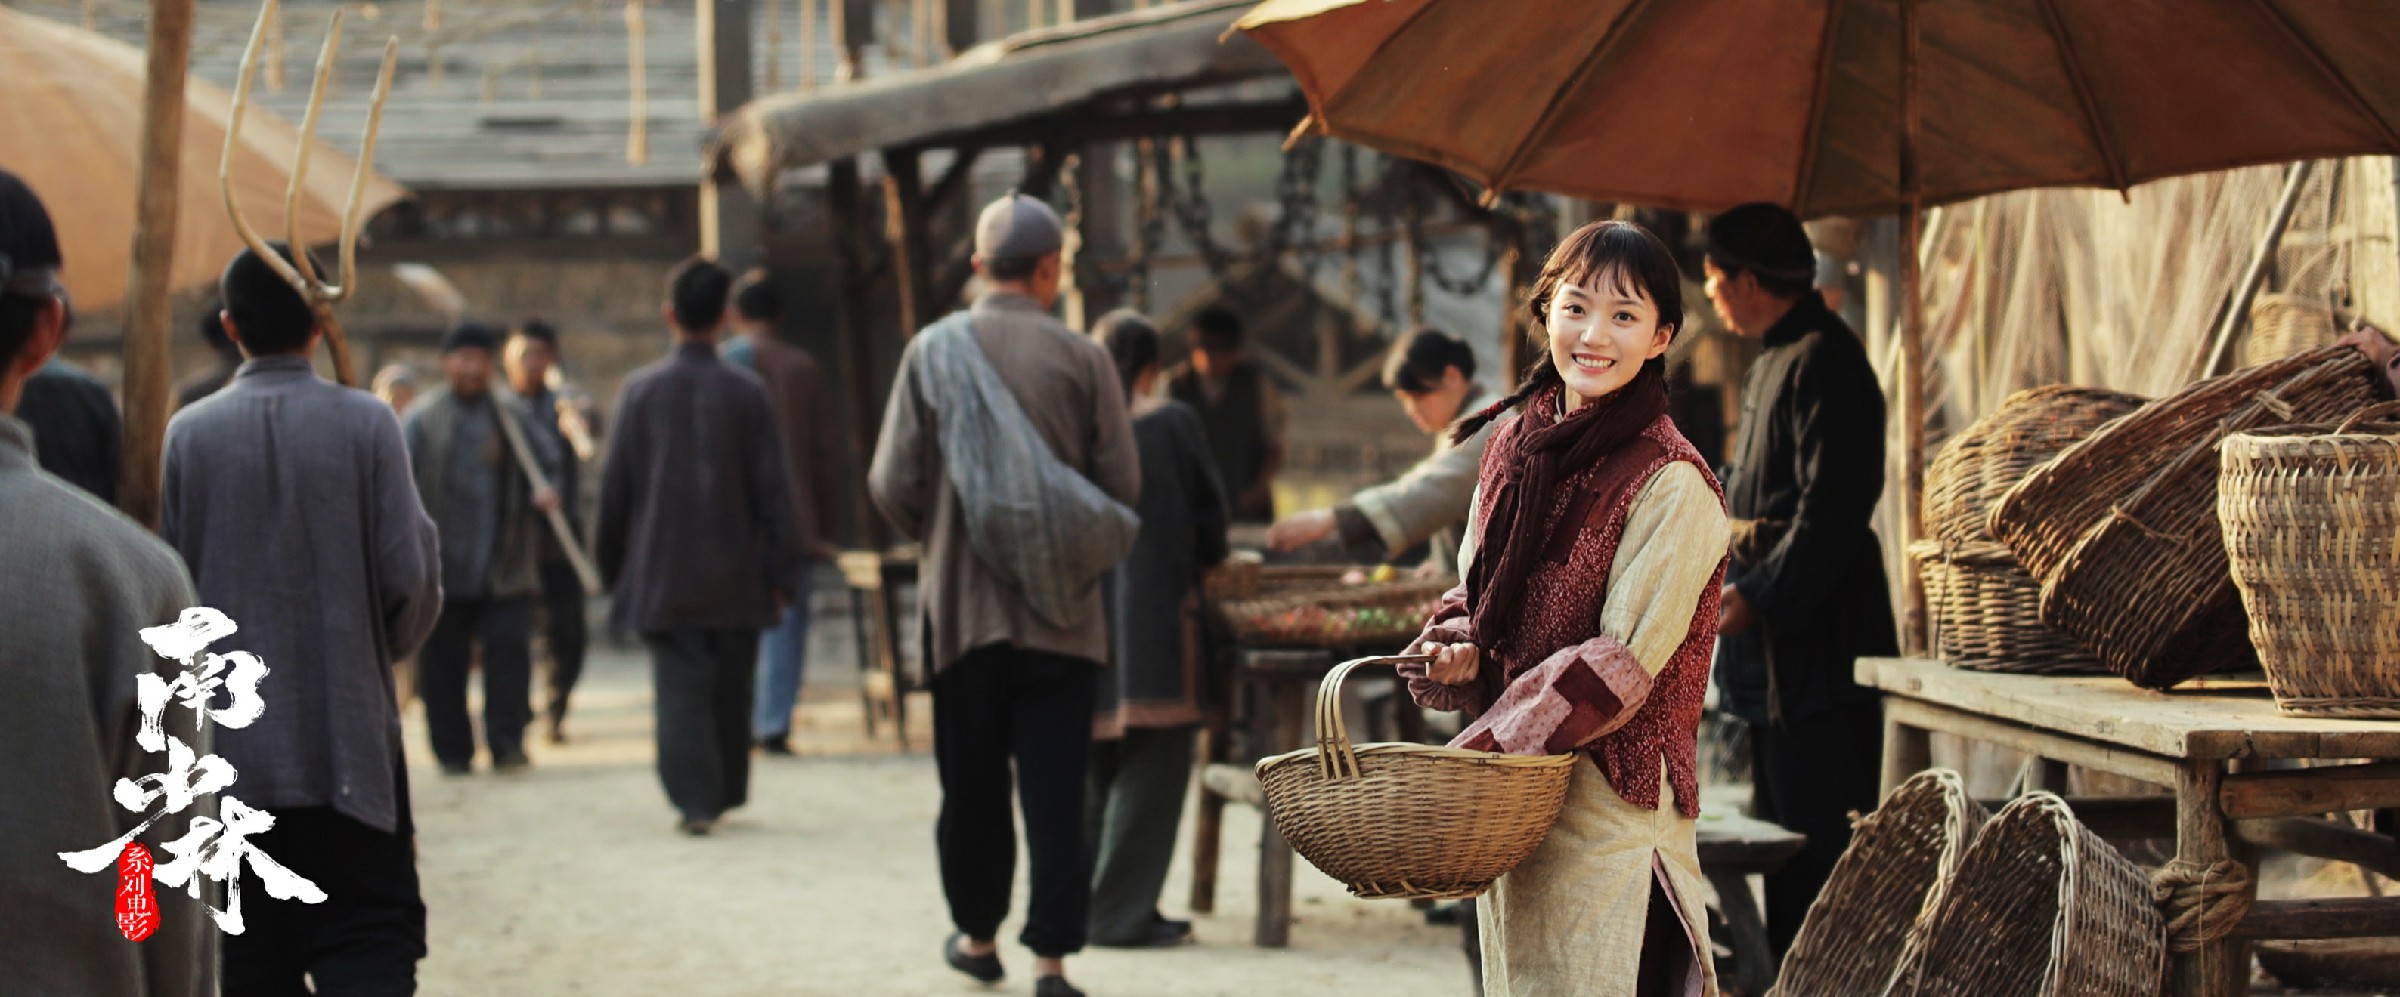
(990, 93)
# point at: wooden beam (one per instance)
(1073, 127)
(955, 181)
(2119, 818)
(2348, 917)
(2033, 741)
(845, 213)
(2325, 839)
(2306, 792)
(149, 309)
(904, 230)
(2221, 967)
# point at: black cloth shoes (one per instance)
(984, 968)
(1163, 933)
(1055, 986)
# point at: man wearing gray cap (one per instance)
(1011, 652)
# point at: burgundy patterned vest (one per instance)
(1572, 582)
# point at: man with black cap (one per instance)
(491, 525)
(1012, 680)
(698, 543)
(562, 416)
(289, 496)
(80, 582)
(1805, 596)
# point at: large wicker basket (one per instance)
(1900, 859)
(1336, 615)
(1986, 613)
(2040, 906)
(1979, 465)
(1409, 820)
(2284, 324)
(2122, 528)
(2312, 528)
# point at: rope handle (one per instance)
(1336, 759)
(2372, 413)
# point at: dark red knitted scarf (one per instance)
(1543, 450)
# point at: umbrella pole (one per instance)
(146, 354)
(1915, 637)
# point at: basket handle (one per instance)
(2372, 413)
(1335, 757)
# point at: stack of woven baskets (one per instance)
(1933, 898)
(2122, 528)
(1984, 607)
(2312, 530)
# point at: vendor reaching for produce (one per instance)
(1592, 563)
(1432, 373)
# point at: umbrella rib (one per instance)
(2333, 74)
(1558, 98)
(1811, 134)
(2110, 157)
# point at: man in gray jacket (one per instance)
(492, 530)
(80, 582)
(699, 544)
(1008, 684)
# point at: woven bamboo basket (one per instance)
(1979, 465)
(1336, 615)
(2040, 907)
(1986, 613)
(1245, 576)
(1900, 858)
(1409, 820)
(2284, 324)
(2122, 528)
(2312, 529)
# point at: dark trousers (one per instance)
(703, 677)
(995, 705)
(563, 624)
(1133, 804)
(504, 629)
(1809, 776)
(367, 936)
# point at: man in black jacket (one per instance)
(1805, 596)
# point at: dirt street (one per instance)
(570, 879)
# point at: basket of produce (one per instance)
(1899, 859)
(1336, 616)
(2122, 528)
(2312, 529)
(1978, 466)
(1409, 820)
(2039, 906)
(1246, 575)
(1986, 612)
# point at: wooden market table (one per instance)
(875, 579)
(2216, 747)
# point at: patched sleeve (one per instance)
(1674, 539)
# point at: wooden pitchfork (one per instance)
(299, 271)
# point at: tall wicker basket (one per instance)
(1900, 859)
(1977, 466)
(2122, 527)
(2312, 528)
(2040, 906)
(1409, 820)
(1986, 613)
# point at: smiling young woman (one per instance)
(1584, 625)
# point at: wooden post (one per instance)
(904, 229)
(1907, 749)
(1287, 716)
(2222, 967)
(729, 215)
(844, 217)
(1914, 638)
(1208, 822)
(148, 311)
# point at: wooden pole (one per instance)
(148, 311)
(904, 229)
(637, 136)
(1912, 339)
(502, 401)
(845, 214)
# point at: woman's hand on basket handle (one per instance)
(1453, 664)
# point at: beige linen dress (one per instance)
(1569, 921)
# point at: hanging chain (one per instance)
(1191, 209)
(1152, 220)
(1296, 205)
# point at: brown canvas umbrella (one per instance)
(1703, 104)
(71, 124)
(1843, 106)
